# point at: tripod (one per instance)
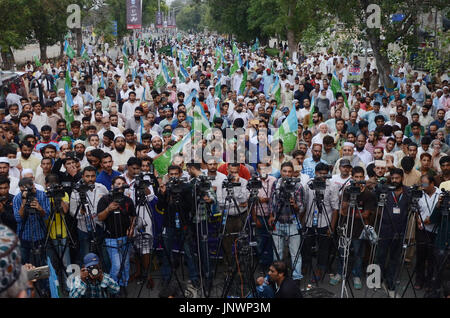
(144, 238)
(230, 202)
(62, 244)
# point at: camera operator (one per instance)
(31, 207)
(285, 218)
(142, 185)
(219, 178)
(206, 197)
(235, 218)
(6, 205)
(92, 282)
(393, 227)
(261, 216)
(425, 236)
(117, 211)
(324, 223)
(176, 202)
(94, 191)
(366, 205)
(72, 173)
(57, 230)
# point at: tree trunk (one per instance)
(43, 49)
(8, 59)
(79, 39)
(382, 60)
(61, 48)
(290, 32)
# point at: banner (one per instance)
(134, 14)
(159, 19)
(354, 75)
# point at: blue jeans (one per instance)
(264, 241)
(358, 251)
(85, 247)
(169, 236)
(292, 233)
(119, 254)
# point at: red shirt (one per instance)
(243, 171)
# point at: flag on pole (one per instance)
(201, 122)
(276, 90)
(235, 66)
(125, 59)
(216, 112)
(244, 82)
(102, 82)
(255, 46)
(182, 74)
(83, 53)
(218, 92)
(69, 50)
(311, 112)
(163, 161)
(336, 88)
(288, 131)
(68, 113)
(53, 280)
(165, 72)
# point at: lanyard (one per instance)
(435, 195)
(395, 199)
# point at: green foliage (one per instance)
(192, 17)
(272, 51)
(14, 24)
(435, 60)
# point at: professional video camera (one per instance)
(203, 183)
(93, 271)
(117, 193)
(254, 183)
(415, 192)
(354, 187)
(83, 187)
(175, 185)
(58, 191)
(288, 184)
(383, 187)
(228, 184)
(29, 198)
(319, 183)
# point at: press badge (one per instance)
(396, 210)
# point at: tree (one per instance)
(353, 13)
(15, 30)
(192, 17)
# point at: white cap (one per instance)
(57, 99)
(78, 141)
(4, 160)
(62, 143)
(27, 171)
(118, 136)
(90, 148)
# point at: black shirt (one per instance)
(288, 289)
(117, 222)
(395, 223)
(7, 215)
(366, 201)
(167, 203)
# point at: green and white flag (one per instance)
(164, 160)
(37, 62)
(235, 66)
(201, 123)
(288, 131)
(244, 82)
(276, 90)
(336, 88)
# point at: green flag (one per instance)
(288, 131)
(200, 120)
(163, 161)
(37, 62)
(336, 88)
(244, 82)
(160, 81)
(311, 112)
(125, 63)
(70, 52)
(235, 66)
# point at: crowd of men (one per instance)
(84, 190)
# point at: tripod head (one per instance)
(445, 206)
(382, 189)
(254, 184)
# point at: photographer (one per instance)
(285, 217)
(72, 173)
(31, 207)
(365, 206)
(57, 231)
(235, 215)
(319, 223)
(283, 285)
(175, 199)
(117, 211)
(425, 235)
(6, 205)
(92, 191)
(206, 197)
(261, 216)
(393, 227)
(92, 282)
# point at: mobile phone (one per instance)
(38, 273)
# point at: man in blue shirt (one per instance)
(418, 95)
(107, 175)
(370, 116)
(31, 207)
(309, 165)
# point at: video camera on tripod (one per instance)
(175, 185)
(415, 192)
(445, 208)
(383, 187)
(288, 184)
(29, 197)
(82, 187)
(117, 193)
(203, 183)
(319, 183)
(254, 183)
(58, 191)
(229, 184)
(354, 187)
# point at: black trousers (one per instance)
(425, 256)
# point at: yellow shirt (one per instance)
(58, 228)
(31, 163)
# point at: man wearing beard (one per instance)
(393, 227)
(94, 157)
(98, 115)
(27, 160)
(135, 122)
(80, 148)
(120, 155)
(157, 146)
(362, 153)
